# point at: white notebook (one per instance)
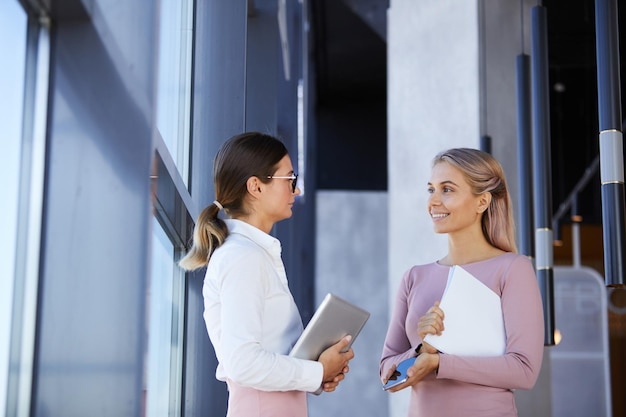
(474, 325)
(333, 319)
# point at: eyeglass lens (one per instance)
(294, 182)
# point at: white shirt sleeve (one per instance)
(244, 359)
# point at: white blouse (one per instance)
(252, 319)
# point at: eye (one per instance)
(447, 189)
(430, 190)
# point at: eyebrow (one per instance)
(447, 182)
(292, 172)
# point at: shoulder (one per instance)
(239, 247)
(516, 266)
(515, 260)
(237, 255)
(418, 273)
(422, 269)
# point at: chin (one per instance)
(439, 229)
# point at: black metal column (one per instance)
(611, 147)
(524, 157)
(542, 175)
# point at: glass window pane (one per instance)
(164, 358)
(174, 80)
(13, 52)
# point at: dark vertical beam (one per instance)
(298, 234)
(542, 178)
(485, 143)
(611, 153)
(219, 94)
(524, 161)
(219, 86)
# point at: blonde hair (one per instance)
(209, 233)
(485, 174)
(240, 157)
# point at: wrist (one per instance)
(434, 362)
(418, 350)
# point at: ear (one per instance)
(484, 200)
(253, 185)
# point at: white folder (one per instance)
(473, 320)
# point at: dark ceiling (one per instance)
(350, 57)
(350, 52)
(350, 63)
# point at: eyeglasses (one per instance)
(293, 178)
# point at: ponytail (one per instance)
(239, 158)
(209, 233)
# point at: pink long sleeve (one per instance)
(471, 384)
(523, 320)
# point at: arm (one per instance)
(523, 320)
(397, 346)
(244, 358)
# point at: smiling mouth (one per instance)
(439, 215)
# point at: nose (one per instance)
(434, 199)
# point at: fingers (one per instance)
(343, 344)
(436, 310)
(431, 322)
(391, 374)
(331, 385)
(334, 360)
(424, 364)
(349, 355)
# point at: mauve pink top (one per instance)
(251, 402)
(471, 386)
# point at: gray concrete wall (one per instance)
(433, 104)
(351, 262)
(451, 79)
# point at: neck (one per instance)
(257, 222)
(467, 248)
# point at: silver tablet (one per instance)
(333, 319)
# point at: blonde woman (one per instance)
(469, 201)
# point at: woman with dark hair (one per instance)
(249, 311)
(470, 202)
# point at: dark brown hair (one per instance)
(240, 157)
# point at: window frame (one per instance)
(30, 202)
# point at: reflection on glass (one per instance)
(164, 356)
(13, 53)
(174, 80)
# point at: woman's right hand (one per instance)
(335, 362)
(430, 323)
(423, 365)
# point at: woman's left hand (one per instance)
(431, 322)
(424, 364)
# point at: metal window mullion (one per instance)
(184, 111)
(30, 215)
